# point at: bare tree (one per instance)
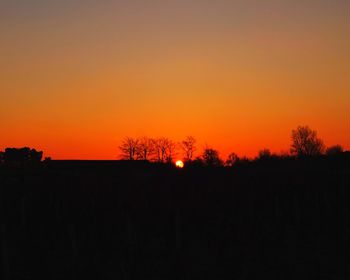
(129, 148)
(171, 150)
(334, 150)
(158, 144)
(188, 147)
(305, 142)
(145, 148)
(161, 148)
(164, 149)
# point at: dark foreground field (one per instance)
(112, 220)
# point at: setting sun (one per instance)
(179, 164)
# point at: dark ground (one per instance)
(114, 220)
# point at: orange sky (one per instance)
(78, 76)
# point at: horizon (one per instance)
(79, 76)
(178, 152)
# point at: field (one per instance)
(137, 220)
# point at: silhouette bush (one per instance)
(211, 157)
(264, 154)
(22, 156)
(334, 150)
(232, 159)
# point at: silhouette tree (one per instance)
(211, 157)
(1, 157)
(159, 149)
(334, 150)
(129, 148)
(305, 142)
(188, 147)
(162, 147)
(47, 159)
(171, 151)
(264, 154)
(22, 156)
(145, 148)
(232, 159)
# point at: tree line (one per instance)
(304, 143)
(156, 149)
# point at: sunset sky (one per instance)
(77, 76)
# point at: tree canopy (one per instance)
(305, 142)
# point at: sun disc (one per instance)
(179, 164)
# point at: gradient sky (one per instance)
(77, 76)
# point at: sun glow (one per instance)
(179, 164)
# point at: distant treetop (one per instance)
(305, 142)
